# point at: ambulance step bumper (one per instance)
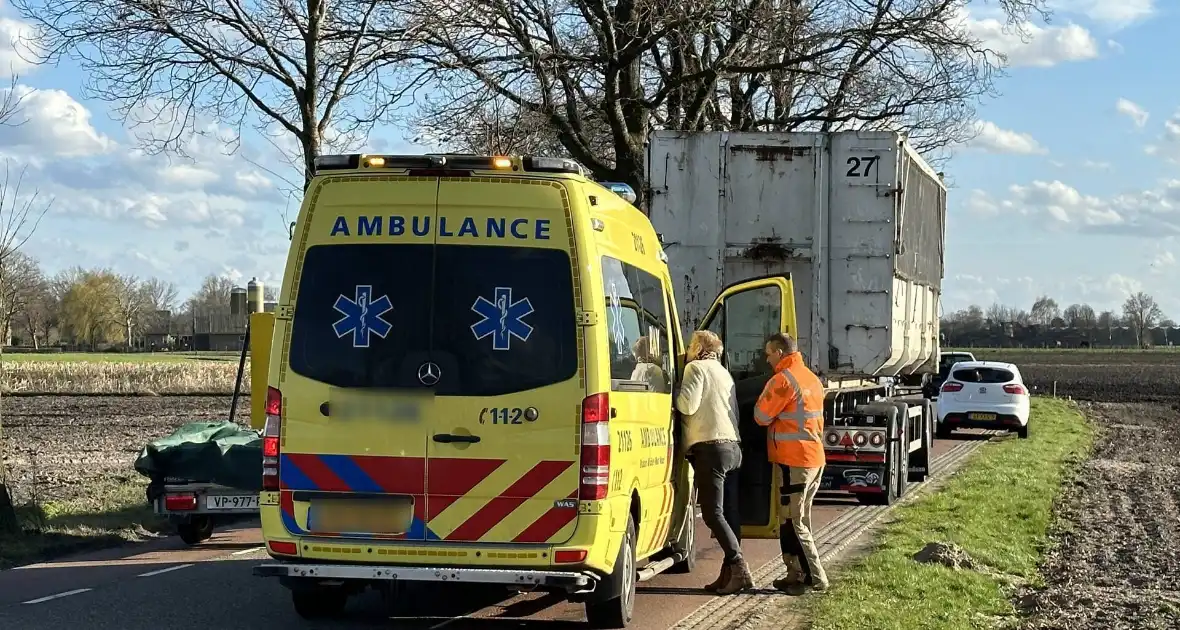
(566, 580)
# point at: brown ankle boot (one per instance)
(722, 578)
(739, 578)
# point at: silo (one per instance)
(254, 296)
(237, 301)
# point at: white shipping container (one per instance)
(857, 218)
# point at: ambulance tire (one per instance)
(319, 602)
(617, 611)
(196, 530)
(688, 546)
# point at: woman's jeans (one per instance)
(715, 466)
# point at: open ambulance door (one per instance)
(262, 327)
(744, 315)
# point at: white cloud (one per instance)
(1112, 13)
(1054, 204)
(1132, 110)
(1034, 45)
(1097, 166)
(994, 139)
(15, 47)
(1102, 292)
(1168, 144)
(52, 123)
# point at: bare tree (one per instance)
(40, 312)
(160, 295)
(316, 70)
(1080, 316)
(607, 74)
(133, 305)
(1044, 311)
(20, 214)
(21, 277)
(1142, 313)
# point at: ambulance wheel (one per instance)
(196, 530)
(687, 548)
(616, 612)
(319, 602)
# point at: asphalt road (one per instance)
(165, 584)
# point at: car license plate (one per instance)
(223, 502)
(370, 516)
(981, 416)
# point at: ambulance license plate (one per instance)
(366, 516)
(981, 416)
(224, 502)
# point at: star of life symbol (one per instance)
(362, 316)
(502, 318)
(618, 332)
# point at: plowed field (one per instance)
(58, 446)
(1116, 563)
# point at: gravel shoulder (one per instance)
(1115, 561)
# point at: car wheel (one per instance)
(943, 432)
(616, 612)
(1022, 432)
(319, 602)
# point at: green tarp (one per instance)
(223, 453)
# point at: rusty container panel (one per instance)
(857, 218)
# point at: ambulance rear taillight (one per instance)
(595, 463)
(270, 439)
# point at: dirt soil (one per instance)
(1116, 560)
(56, 446)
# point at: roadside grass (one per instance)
(126, 377)
(108, 513)
(998, 509)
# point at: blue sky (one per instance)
(1072, 187)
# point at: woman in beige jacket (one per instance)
(708, 401)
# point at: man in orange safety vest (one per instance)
(792, 408)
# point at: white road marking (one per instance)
(167, 570)
(246, 551)
(58, 596)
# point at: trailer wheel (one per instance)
(196, 530)
(318, 602)
(891, 479)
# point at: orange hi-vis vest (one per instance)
(792, 406)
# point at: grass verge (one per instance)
(106, 514)
(998, 509)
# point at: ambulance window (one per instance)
(504, 319)
(638, 337)
(750, 317)
(360, 313)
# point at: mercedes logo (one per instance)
(429, 373)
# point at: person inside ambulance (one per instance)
(707, 399)
(647, 365)
(791, 407)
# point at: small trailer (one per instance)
(195, 508)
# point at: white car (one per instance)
(983, 395)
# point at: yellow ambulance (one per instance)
(468, 378)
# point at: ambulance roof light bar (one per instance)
(448, 162)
